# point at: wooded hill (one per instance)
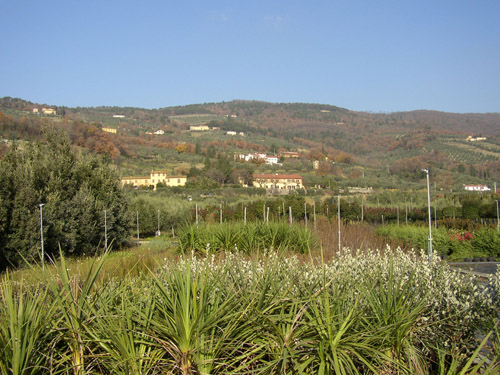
(383, 144)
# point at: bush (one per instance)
(456, 244)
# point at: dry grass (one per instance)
(357, 236)
(133, 261)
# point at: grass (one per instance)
(134, 261)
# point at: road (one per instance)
(480, 268)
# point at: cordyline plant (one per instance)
(384, 312)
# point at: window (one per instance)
(178, 180)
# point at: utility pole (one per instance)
(41, 234)
(105, 232)
(498, 217)
(137, 212)
(338, 220)
(305, 214)
(314, 214)
(158, 233)
(429, 209)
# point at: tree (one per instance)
(224, 167)
(75, 190)
(206, 164)
(246, 176)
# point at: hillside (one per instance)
(386, 149)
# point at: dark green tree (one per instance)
(74, 189)
(206, 163)
(223, 166)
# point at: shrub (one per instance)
(456, 244)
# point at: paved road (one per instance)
(485, 268)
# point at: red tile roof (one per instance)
(277, 176)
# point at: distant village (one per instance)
(277, 182)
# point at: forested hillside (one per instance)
(352, 148)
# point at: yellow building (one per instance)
(155, 177)
(109, 130)
(48, 111)
(278, 181)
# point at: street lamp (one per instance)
(429, 209)
(498, 217)
(338, 221)
(41, 233)
(105, 232)
(158, 233)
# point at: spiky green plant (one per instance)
(75, 300)
(121, 333)
(193, 323)
(24, 335)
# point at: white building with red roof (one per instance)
(476, 188)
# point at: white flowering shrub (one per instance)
(419, 304)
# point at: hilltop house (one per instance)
(476, 188)
(275, 181)
(199, 128)
(48, 111)
(155, 177)
(109, 130)
(259, 156)
(290, 154)
(470, 138)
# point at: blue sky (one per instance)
(379, 56)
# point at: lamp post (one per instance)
(429, 209)
(41, 233)
(105, 232)
(338, 221)
(498, 217)
(158, 233)
(137, 216)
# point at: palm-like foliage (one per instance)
(24, 336)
